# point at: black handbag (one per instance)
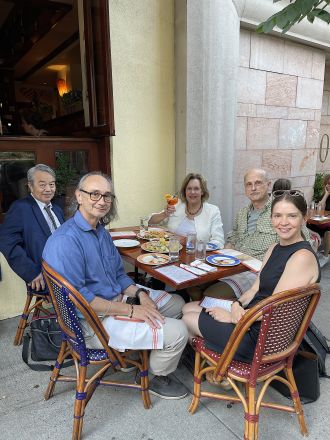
(46, 339)
(306, 374)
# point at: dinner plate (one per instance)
(126, 243)
(153, 233)
(212, 247)
(155, 259)
(152, 246)
(222, 260)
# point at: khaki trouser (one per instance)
(164, 361)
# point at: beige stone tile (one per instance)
(318, 65)
(325, 120)
(246, 109)
(262, 133)
(301, 181)
(270, 111)
(303, 162)
(309, 93)
(292, 134)
(303, 114)
(240, 135)
(239, 202)
(277, 163)
(281, 90)
(251, 86)
(243, 161)
(325, 103)
(317, 115)
(312, 134)
(298, 59)
(244, 48)
(267, 53)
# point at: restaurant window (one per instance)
(13, 181)
(55, 71)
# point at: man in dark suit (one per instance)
(28, 224)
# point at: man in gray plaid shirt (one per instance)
(252, 234)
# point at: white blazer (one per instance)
(208, 223)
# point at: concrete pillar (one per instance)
(212, 70)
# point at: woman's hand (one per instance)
(219, 314)
(169, 210)
(236, 312)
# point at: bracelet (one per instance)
(108, 309)
(132, 311)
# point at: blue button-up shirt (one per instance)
(87, 258)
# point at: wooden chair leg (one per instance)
(56, 371)
(197, 385)
(297, 402)
(145, 381)
(23, 320)
(79, 405)
(251, 418)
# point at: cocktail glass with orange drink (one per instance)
(171, 199)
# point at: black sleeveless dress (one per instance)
(217, 333)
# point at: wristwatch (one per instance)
(140, 289)
(239, 302)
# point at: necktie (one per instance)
(50, 215)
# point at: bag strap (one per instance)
(38, 367)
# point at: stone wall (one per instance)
(279, 100)
(324, 167)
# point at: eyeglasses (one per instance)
(290, 192)
(96, 196)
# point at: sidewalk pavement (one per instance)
(118, 414)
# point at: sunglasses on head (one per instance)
(290, 192)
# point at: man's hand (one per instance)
(148, 314)
(38, 283)
(145, 300)
(229, 246)
(219, 314)
(236, 312)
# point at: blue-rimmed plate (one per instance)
(223, 260)
(212, 247)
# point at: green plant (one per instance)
(318, 187)
(65, 174)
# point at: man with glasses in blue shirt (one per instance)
(82, 251)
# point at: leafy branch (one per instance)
(294, 13)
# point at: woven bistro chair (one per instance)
(36, 307)
(285, 317)
(67, 300)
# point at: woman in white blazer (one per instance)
(193, 214)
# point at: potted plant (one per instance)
(318, 187)
(65, 180)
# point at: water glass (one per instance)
(319, 209)
(173, 248)
(200, 253)
(191, 243)
(143, 225)
(312, 206)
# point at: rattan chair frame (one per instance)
(85, 386)
(36, 307)
(222, 365)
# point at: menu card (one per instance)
(176, 274)
(252, 263)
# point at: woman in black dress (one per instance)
(288, 264)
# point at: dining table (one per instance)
(318, 217)
(131, 254)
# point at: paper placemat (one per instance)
(122, 234)
(176, 274)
